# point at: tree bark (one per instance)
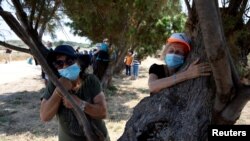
(216, 50)
(180, 113)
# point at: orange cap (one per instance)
(180, 38)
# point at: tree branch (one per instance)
(14, 47)
(32, 13)
(216, 50)
(188, 6)
(235, 74)
(39, 15)
(13, 24)
(48, 18)
(234, 108)
(30, 31)
(243, 7)
(234, 7)
(21, 15)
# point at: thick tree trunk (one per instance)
(172, 115)
(182, 112)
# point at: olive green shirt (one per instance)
(69, 129)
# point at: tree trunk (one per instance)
(182, 112)
(107, 78)
(115, 65)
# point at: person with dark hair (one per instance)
(83, 60)
(176, 50)
(78, 49)
(85, 89)
(101, 60)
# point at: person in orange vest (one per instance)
(128, 62)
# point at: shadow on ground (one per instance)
(19, 113)
(121, 102)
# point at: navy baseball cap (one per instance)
(66, 50)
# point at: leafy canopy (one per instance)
(143, 24)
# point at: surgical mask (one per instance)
(71, 72)
(173, 60)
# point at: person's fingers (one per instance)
(67, 104)
(201, 64)
(195, 62)
(204, 66)
(205, 74)
(205, 69)
(186, 67)
(64, 102)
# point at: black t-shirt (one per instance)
(158, 70)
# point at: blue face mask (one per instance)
(173, 60)
(71, 72)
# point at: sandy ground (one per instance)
(15, 71)
(20, 91)
(21, 88)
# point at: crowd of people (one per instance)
(86, 90)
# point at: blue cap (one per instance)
(66, 50)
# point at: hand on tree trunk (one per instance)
(198, 69)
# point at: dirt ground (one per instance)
(21, 88)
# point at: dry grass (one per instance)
(121, 103)
(14, 56)
(19, 112)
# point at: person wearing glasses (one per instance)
(85, 89)
(176, 50)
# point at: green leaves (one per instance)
(143, 25)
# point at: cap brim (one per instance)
(65, 53)
(173, 40)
